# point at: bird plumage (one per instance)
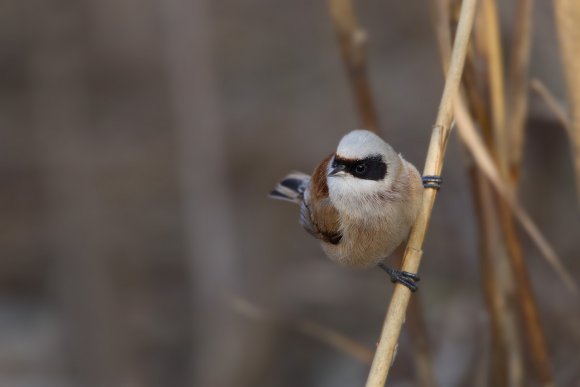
(360, 201)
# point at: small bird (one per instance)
(360, 202)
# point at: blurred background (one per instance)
(139, 139)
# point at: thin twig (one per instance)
(352, 41)
(324, 334)
(552, 104)
(433, 165)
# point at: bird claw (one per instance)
(432, 181)
(403, 277)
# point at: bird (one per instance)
(360, 202)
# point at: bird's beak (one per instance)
(337, 171)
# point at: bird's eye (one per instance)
(360, 169)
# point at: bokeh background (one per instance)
(138, 141)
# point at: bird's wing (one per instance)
(317, 214)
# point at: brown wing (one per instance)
(317, 214)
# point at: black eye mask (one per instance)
(369, 168)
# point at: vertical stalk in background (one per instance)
(529, 315)
(395, 317)
(352, 40)
(526, 302)
(506, 363)
(76, 223)
(517, 91)
(207, 208)
(528, 311)
(494, 296)
(493, 53)
(567, 23)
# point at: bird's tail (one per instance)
(291, 188)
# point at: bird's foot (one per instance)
(432, 181)
(402, 277)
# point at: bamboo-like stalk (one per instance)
(395, 317)
(567, 16)
(517, 97)
(346, 25)
(352, 40)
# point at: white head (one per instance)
(362, 173)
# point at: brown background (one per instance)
(138, 142)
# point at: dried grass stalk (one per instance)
(493, 52)
(517, 97)
(310, 328)
(567, 22)
(494, 297)
(352, 40)
(474, 143)
(434, 163)
(346, 25)
(552, 104)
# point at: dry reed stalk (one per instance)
(475, 145)
(508, 161)
(506, 363)
(352, 40)
(417, 330)
(529, 315)
(567, 16)
(552, 104)
(346, 25)
(505, 349)
(517, 97)
(495, 74)
(395, 317)
(324, 334)
(509, 167)
(528, 310)
(494, 297)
